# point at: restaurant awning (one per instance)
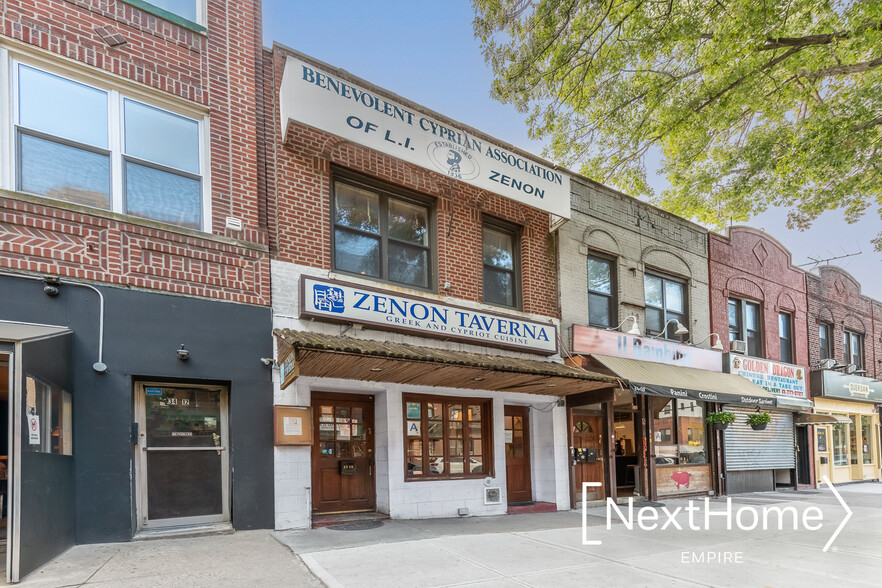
(821, 419)
(332, 356)
(659, 379)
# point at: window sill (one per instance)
(131, 220)
(166, 15)
(447, 478)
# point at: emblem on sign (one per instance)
(453, 160)
(328, 298)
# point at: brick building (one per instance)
(845, 353)
(758, 306)
(134, 276)
(414, 302)
(634, 304)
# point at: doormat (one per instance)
(359, 526)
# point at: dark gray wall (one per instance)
(142, 332)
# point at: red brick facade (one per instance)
(834, 298)
(300, 180)
(750, 264)
(216, 71)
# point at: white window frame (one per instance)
(116, 125)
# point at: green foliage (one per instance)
(750, 103)
(759, 418)
(720, 418)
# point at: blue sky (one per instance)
(425, 51)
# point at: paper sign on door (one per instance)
(34, 430)
(413, 428)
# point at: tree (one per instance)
(751, 103)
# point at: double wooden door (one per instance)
(343, 454)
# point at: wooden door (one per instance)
(343, 453)
(588, 448)
(517, 454)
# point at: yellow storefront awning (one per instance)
(659, 379)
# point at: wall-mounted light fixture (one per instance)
(718, 346)
(183, 354)
(634, 330)
(681, 330)
(51, 286)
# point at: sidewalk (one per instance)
(506, 551)
(546, 549)
(243, 558)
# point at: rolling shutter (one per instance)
(770, 449)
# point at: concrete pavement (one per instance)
(517, 550)
(547, 550)
(243, 558)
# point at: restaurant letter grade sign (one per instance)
(324, 101)
(338, 301)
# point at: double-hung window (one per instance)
(825, 340)
(853, 344)
(745, 325)
(665, 301)
(447, 437)
(381, 234)
(501, 264)
(601, 293)
(97, 147)
(785, 336)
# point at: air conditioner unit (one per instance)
(738, 346)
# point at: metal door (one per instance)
(182, 455)
(40, 488)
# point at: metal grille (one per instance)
(770, 449)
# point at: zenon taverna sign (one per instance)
(325, 101)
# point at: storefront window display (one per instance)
(685, 442)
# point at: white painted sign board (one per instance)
(327, 102)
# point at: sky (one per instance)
(426, 52)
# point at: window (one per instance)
(501, 264)
(785, 336)
(853, 345)
(382, 235)
(601, 309)
(840, 444)
(867, 439)
(665, 301)
(188, 9)
(679, 431)
(48, 412)
(825, 340)
(744, 325)
(447, 437)
(72, 145)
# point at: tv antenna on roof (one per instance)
(816, 262)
